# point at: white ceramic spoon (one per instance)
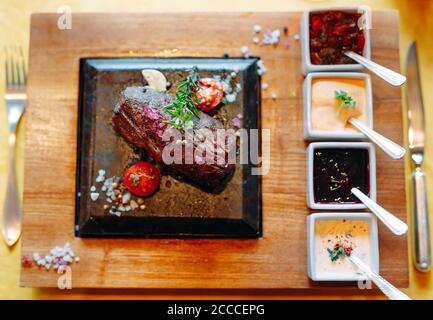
(387, 288)
(392, 77)
(391, 148)
(393, 223)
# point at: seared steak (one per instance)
(138, 118)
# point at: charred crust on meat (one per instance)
(138, 119)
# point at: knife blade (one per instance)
(416, 137)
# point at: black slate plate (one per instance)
(178, 208)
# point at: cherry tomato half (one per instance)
(141, 179)
(210, 94)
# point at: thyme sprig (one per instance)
(346, 100)
(183, 108)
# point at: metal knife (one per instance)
(416, 135)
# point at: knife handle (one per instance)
(421, 228)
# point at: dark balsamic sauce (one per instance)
(337, 171)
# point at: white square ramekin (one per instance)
(309, 132)
(307, 66)
(310, 174)
(374, 243)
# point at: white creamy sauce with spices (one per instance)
(355, 233)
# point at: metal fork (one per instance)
(15, 97)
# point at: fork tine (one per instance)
(15, 67)
(16, 58)
(12, 67)
(8, 77)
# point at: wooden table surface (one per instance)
(278, 258)
(419, 285)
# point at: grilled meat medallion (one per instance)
(139, 119)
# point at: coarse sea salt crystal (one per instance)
(245, 51)
(101, 172)
(296, 37)
(133, 204)
(92, 188)
(231, 97)
(265, 86)
(126, 198)
(236, 122)
(256, 39)
(117, 213)
(257, 28)
(94, 196)
(99, 178)
(261, 67)
(58, 256)
(226, 87)
(271, 37)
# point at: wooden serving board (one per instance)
(278, 259)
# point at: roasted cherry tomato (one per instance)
(141, 179)
(316, 24)
(210, 94)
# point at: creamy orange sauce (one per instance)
(324, 105)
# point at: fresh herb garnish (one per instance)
(136, 179)
(339, 251)
(183, 108)
(346, 100)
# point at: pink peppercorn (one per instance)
(26, 262)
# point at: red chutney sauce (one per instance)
(332, 33)
(337, 171)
